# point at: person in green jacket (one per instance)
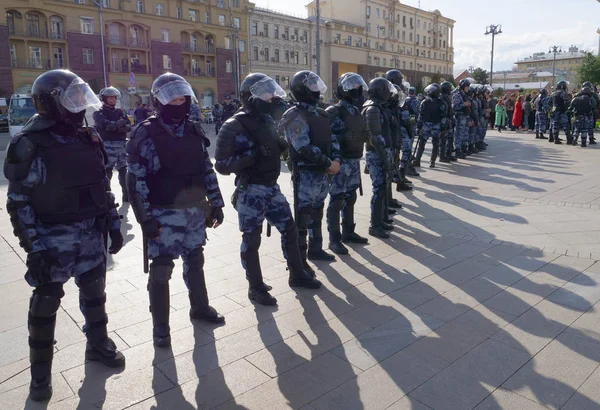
(501, 116)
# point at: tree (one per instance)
(589, 69)
(480, 75)
(436, 78)
(499, 92)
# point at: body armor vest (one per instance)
(385, 127)
(74, 188)
(114, 116)
(582, 105)
(319, 130)
(352, 143)
(179, 183)
(432, 110)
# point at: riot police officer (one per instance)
(249, 146)
(461, 105)
(403, 143)
(595, 112)
(61, 209)
(560, 103)
(378, 162)
(447, 136)
(475, 111)
(432, 118)
(348, 127)
(583, 105)
(175, 196)
(542, 105)
(411, 108)
(315, 154)
(113, 125)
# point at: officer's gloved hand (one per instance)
(38, 265)
(264, 150)
(116, 241)
(151, 228)
(418, 132)
(217, 217)
(111, 127)
(122, 122)
(283, 144)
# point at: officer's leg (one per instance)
(392, 203)
(590, 124)
(303, 222)
(442, 146)
(336, 204)
(315, 239)
(193, 275)
(92, 301)
(257, 290)
(348, 225)
(436, 148)
(421, 148)
(43, 305)
(122, 179)
(378, 199)
(161, 270)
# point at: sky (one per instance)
(528, 26)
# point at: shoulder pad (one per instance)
(20, 149)
(333, 110)
(288, 116)
(322, 112)
(197, 125)
(37, 123)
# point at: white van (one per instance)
(20, 110)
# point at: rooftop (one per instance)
(570, 53)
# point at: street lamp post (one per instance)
(554, 50)
(493, 29)
(100, 5)
(318, 48)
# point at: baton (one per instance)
(145, 253)
(268, 229)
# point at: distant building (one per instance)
(566, 64)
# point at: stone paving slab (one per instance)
(486, 296)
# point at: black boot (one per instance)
(376, 228)
(348, 225)
(551, 135)
(583, 143)
(123, 183)
(258, 291)
(395, 204)
(537, 135)
(92, 301)
(592, 141)
(303, 222)
(261, 295)
(296, 261)
(349, 236)
(403, 184)
(473, 149)
(41, 323)
(542, 137)
(199, 307)
(315, 242)
(159, 307)
(557, 139)
(336, 204)
(410, 170)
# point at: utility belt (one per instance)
(310, 167)
(249, 180)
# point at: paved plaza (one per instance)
(486, 297)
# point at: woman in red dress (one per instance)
(517, 118)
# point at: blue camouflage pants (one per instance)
(312, 188)
(473, 134)
(347, 180)
(541, 122)
(448, 144)
(74, 249)
(342, 197)
(433, 130)
(461, 133)
(117, 158)
(584, 125)
(378, 178)
(255, 204)
(482, 128)
(560, 121)
(182, 232)
(405, 147)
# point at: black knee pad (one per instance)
(336, 202)
(252, 239)
(304, 218)
(195, 257)
(92, 283)
(317, 214)
(351, 198)
(161, 270)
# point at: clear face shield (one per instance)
(78, 97)
(355, 86)
(267, 89)
(314, 83)
(173, 90)
(393, 90)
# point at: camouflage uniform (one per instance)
(311, 181)
(463, 117)
(583, 107)
(560, 120)
(542, 104)
(432, 118)
(195, 114)
(474, 129)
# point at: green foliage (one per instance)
(589, 69)
(499, 92)
(480, 76)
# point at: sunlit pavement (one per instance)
(485, 297)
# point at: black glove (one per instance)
(418, 132)
(116, 241)
(151, 228)
(264, 150)
(122, 122)
(283, 144)
(217, 213)
(38, 265)
(111, 127)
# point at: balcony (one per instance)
(36, 64)
(196, 72)
(140, 69)
(194, 48)
(36, 32)
(116, 40)
(137, 42)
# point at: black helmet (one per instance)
(307, 87)
(586, 91)
(260, 93)
(588, 84)
(446, 87)
(109, 92)
(433, 90)
(464, 83)
(351, 87)
(380, 90)
(165, 89)
(62, 96)
(562, 85)
(394, 76)
(543, 91)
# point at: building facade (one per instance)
(373, 36)
(203, 40)
(567, 61)
(280, 44)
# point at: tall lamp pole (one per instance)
(493, 29)
(100, 5)
(554, 50)
(318, 38)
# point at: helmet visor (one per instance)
(78, 97)
(352, 82)
(173, 90)
(314, 83)
(401, 98)
(393, 91)
(266, 89)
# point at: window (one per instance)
(139, 6)
(134, 32)
(276, 31)
(296, 34)
(193, 15)
(411, 65)
(227, 43)
(410, 37)
(221, 19)
(377, 12)
(88, 56)
(255, 53)
(418, 38)
(58, 61)
(160, 9)
(368, 27)
(429, 40)
(434, 55)
(220, 4)
(243, 68)
(87, 25)
(411, 23)
(305, 36)
(296, 57)
(228, 66)
(403, 21)
(286, 32)
(404, 36)
(106, 4)
(287, 56)
(33, 24)
(166, 35)
(207, 17)
(277, 79)
(179, 13)
(384, 62)
(349, 41)
(237, 22)
(266, 29)
(377, 31)
(236, 3)
(384, 13)
(277, 55)
(13, 55)
(254, 29)
(404, 64)
(305, 58)
(242, 46)
(429, 67)
(266, 51)
(368, 11)
(166, 62)
(35, 57)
